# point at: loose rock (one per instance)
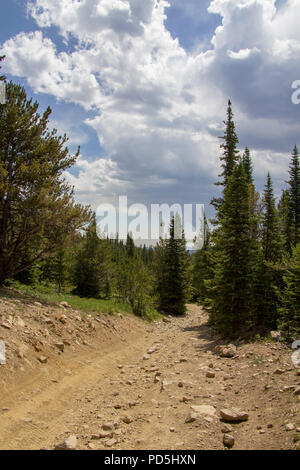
(234, 415)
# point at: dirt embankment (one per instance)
(115, 381)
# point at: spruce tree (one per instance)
(267, 278)
(92, 276)
(248, 166)
(294, 192)
(202, 269)
(171, 277)
(230, 153)
(285, 220)
(289, 311)
(229, 158)
(270, 225)
(234, 252)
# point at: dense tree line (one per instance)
(247, 275)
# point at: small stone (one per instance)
(43, 359)
(60, 346)
(233, 414)
(208, 420)
(289, 427)
(228, 440)
(279, 371)
(104, 435)
(20, 323)
(191, 417)
(111, 443)
(127, 419)
(210, 375)
(108, 427)
(226, 429)
(68, 444)
(172, 429)
(226, 350)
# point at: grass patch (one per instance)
(46, 293)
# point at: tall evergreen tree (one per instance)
(86, 275)
(289, 311)
(229, 158)
(248, 166)
(172, 274)
(267, 277)
(37, 207)
(285, 220)
(235, 255)
(230, 153)
(93, 271)
(294, 192)
(270, 225)
(202, 269)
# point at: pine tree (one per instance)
(271, 243)
(171, 278)
(131, 250)
(37, 207)
(60, 268)
(93, 271)
(231, 308)
(248, 166)
(202, 270)
(294, 192)
(285, 220)
(289, 312)
(267, 278)
(229, 158)
(230, 153)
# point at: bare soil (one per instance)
(142, 378)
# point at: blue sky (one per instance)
(142, 86)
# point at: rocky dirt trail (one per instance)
(136, 385)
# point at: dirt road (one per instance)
(142, 386)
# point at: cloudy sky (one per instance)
(142, 86)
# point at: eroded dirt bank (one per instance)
(118, 382)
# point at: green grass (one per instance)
(47, 294)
